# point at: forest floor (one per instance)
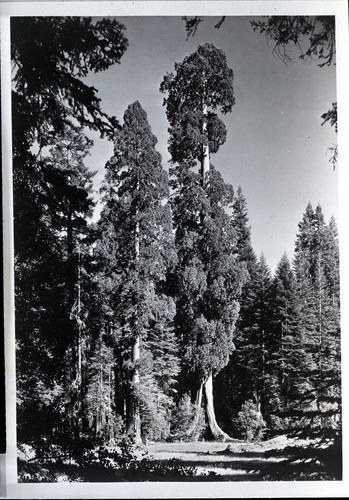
(208, 461)
(233, 461)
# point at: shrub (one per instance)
(182, 419)
(104, 463)
(155, 410)
(250, 422)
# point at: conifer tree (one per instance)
(230, 386)
(250, 358)
(137, 248)
(50, 102)
(202, 84)
(55, 309)
(74, 204)
(317, 273)
(243, 231)
(99, 381)
(285, 349)
(208, 280)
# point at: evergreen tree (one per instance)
(50, 102)
(230, 386)
(317, 273)
(243, 231)
(99, 406)
(53, 313)
(285, 349)
(203, 83)
(137, 248)
(250, 358)
(208, 276)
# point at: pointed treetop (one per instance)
(332, 226)
(284, 265)
(319, 213)
(309, 209)
(262, 262)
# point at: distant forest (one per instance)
(158, 321)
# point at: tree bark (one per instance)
(198, 401)
(216, 431)
(79, 321)
(78, 350)
(205, 162)
(135, 418)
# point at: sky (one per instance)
(276, 148)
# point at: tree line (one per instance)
(157, 321)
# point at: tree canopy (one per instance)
(51, 56)
(201, 85)
(156, 322)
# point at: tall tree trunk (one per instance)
(75, 315)
(79, 321)
(320, 392)
(135, 418)
(70, 242)
(198, 402)
(205, 162)
(71, 258)
(216, 431)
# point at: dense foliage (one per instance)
(128, 330)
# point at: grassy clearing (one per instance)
(235, 461)
(270, 460)
(192, 461)
(219, 447)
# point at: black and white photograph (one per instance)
(174, 213)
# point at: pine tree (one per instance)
(137, 229)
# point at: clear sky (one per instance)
(276, 148)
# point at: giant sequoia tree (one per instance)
(208, 275)
(137, 248)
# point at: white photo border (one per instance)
(338, 8)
